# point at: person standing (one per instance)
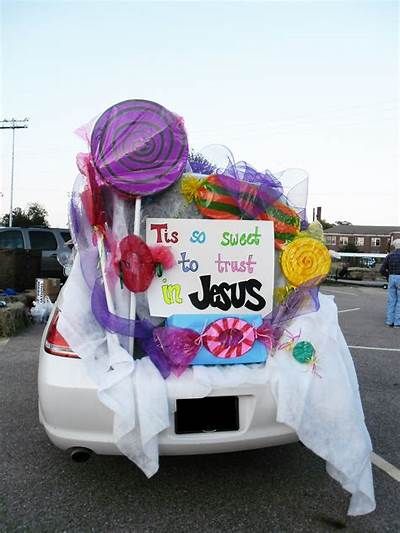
(391, 270)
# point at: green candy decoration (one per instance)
(304, 352)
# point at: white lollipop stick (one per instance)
(136, 231)
(111, 337)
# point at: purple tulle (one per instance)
(242, 171)
(140, 329)
(304, 222)
(150, 347)
(253, 191)
(74, 218)
(253, 201)
(109, 321)
(302, 300)
(179, 346)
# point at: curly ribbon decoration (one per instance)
(302, 351)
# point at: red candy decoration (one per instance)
(137, 264)
(163, 256)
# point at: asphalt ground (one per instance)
(275, 489)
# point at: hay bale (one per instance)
(13, 319)
(25, 297)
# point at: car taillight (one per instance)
(55, 343)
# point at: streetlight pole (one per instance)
(12, 180)
(12, 124)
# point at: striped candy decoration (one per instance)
(286, 223)
(211, 197)
(229, 337)
(226, 198)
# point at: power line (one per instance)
(12, 124)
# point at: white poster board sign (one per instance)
(222, 266)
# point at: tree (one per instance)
(199, 164)
(325, 224)
(35, 215)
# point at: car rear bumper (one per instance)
(73, 416)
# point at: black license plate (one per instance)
(207, 415)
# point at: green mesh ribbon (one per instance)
(304, 352)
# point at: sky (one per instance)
(283, 84)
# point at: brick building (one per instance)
(368, 239)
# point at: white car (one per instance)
(229, 419)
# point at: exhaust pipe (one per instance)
(80, 455)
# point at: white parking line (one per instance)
(391, 470)
(347, 310)
(375, 348)
(339, 291)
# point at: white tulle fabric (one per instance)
(325, 411)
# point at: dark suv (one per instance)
(50, 241)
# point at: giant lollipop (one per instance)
(139, 147)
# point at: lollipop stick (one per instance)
(136, 231)
(111, 337)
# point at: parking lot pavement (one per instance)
(276, 489)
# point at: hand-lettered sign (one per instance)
(222, 266)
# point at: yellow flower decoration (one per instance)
(305, 259)
(190, 186)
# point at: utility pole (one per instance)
(13, 124)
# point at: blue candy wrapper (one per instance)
(257, 354)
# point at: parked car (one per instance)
(50, 241)
(361, 268)
(230, 419)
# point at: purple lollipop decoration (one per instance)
(139, 147)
